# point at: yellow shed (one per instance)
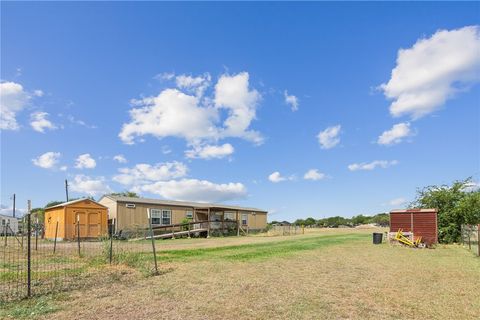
(83, 215)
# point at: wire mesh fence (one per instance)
(287, 230)
(32, 265)
(471, 237)
(38, 260)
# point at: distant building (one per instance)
(8, 225)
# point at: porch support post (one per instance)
(208, 223)
(223, 222)
(238, 226)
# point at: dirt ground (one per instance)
(344, 280)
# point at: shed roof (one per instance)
(200, 205)
(75, 201)
(414, 210)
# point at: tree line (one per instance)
(457, 204)
(381, 219)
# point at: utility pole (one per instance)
(14, 205)
(66, 188)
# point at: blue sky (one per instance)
(273, 105)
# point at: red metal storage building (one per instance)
(421, 222)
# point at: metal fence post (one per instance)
(78, 234)
(29, 257)
(36, 234)
(469, 241)
(111, 243)
(478, 239)
(153, 241)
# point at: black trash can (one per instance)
(377, 238)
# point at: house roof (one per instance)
(413, 210)
(199, 205)
(7, 216)
(74, 201)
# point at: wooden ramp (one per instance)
(174, 234)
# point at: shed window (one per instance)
(244, 218)
(189, 214)
(229, 216)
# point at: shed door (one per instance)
(81, 216)
(93, 224)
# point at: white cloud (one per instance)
(276, 177)
(314, 174)
(39, 122)
(233, 94)
(165, 76)
(171, 113)
(88, 185)
(291, 100)
(396, 134)
(63, 168)
(85, 161)
(372, 165)
(193, 117)
(38, 93)
(47, 160)
(329, 137)
(120, 158)
(13, 99)
(471, 186)
(8, 211)
(210, 151)
(196, 190)
(197, 85)
(73, 120)
(397, 202)
(433, 70)
(145, 173)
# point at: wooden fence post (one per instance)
(55, 240)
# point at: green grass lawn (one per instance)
(329, 274)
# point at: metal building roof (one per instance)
(199, 205)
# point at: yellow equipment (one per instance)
(400, 237)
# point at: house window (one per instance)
(229, 216)
(189, 214)
(166, 217)
(244, 218)
(155, 216)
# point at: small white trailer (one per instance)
(8, 225)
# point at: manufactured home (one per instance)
(8, 225)
(82, 218)
(130, 213)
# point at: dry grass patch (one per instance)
(316, 276)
